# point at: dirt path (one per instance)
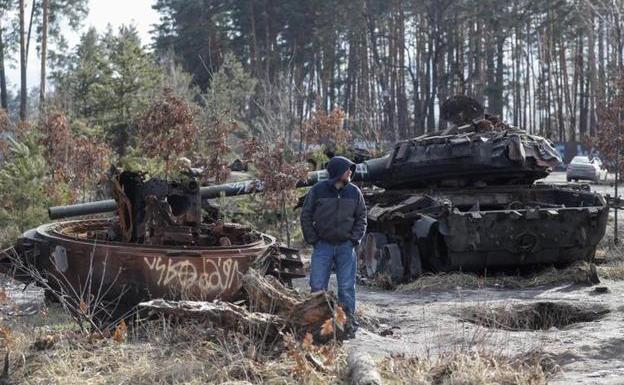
(429, 324)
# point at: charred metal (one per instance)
(161, 244)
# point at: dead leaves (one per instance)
(167, 129)
(6, 337)
(339, 321)
(121, 332)
(277, 171)
(328, 327)
(324, 127)
(308, 357)
(341, 317)
(308, 340)
(46, 342)
(83, 307)
(76, 160)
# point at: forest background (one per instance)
(275, 83)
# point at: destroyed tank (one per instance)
(161, 244)
(463, 199)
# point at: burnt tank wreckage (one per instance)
(460, 199)
(161, 244)
(465, 200)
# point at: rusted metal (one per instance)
(77, 254)
(158, 246)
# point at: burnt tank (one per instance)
(464, 198)
(161, 244)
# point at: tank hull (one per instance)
(498, 227)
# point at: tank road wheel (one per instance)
(371, 253)
(394, 261)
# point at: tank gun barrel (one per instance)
(97, 207)
(367, 171)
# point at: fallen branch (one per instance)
(276, 308)
(304, 313)
(220, 314)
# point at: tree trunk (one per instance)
(23, 87)
(4, 103)
(44, 46)
(592, 78)
(254, 39)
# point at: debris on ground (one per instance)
(271, 308)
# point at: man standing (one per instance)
(333, 219)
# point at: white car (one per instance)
(582, 167)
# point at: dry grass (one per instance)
(613, 271)
(580, 273)
(477, 367)
(613, 257)
(156, 352)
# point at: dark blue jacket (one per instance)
(334, 215)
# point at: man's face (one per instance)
(346, 177)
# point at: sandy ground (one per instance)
(429, 324)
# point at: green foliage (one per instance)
(26, 190)
(225, 105)
(109, 81)
(198, 42)
(136, 160)
(229, 95)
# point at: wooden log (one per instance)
(267, 295)
(304, 313)
(220, 314)
(275, 308)
(362, 369)
(314, 310)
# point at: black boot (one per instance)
(351, 326)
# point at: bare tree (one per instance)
(44, 47)
(23, 59)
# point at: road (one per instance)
(603, 188)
